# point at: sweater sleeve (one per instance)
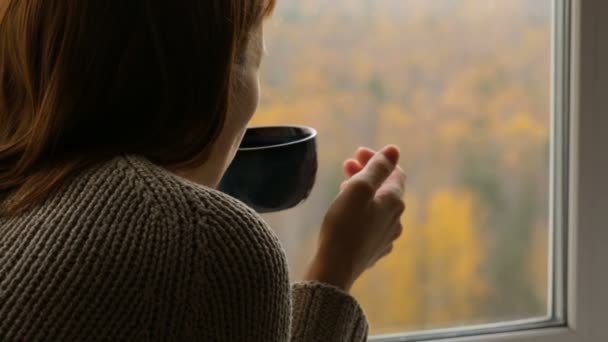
(325, 313)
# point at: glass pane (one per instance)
(463, 87)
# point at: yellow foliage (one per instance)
(472, 110)
(453, 131)
(453, 256)
(523, 125)
(432, 276)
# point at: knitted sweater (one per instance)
(127, 251)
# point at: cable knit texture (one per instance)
(126, 251)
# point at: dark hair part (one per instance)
(83, 81)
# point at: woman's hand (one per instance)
(363, 221)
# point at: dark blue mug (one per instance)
(274, 169)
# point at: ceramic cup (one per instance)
(274, 169)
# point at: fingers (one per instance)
(364, 155)
(352, 167)
(377, 170)
(343, 185)
(387, 251)
(392, 192)
(397, 231)
(398, 179)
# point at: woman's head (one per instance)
(81, 81)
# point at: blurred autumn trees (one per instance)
(463, 87)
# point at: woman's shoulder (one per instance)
(229, 233)
(201, 207)
(172, 192)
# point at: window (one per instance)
(477, 93)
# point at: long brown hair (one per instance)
(82, 81)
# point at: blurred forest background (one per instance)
(463, 87)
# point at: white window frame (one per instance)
(580, 200)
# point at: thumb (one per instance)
(379, 168)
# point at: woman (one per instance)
(118, 118)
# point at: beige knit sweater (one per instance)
(126, 251)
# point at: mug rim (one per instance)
(312, 135)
